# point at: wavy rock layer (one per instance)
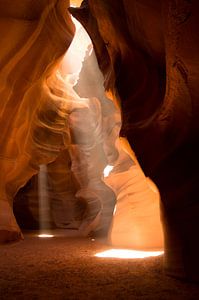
(33, 112)
(148, 53)
(79, 198)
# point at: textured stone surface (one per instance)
(77, 192)
(148, 52)
(34, 112)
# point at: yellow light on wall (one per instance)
(75, 3)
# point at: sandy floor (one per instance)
(66, 268)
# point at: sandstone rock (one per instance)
(33, 113)
(148, 53)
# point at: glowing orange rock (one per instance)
(34, 35)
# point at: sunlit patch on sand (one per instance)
(124, 253)
(45, 235)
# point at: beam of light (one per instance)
(44, 206)
(45, 235)
(128, 254)
(107, 170)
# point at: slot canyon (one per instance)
(99, 148)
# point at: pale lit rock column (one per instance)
(136, 222)
(89, 160)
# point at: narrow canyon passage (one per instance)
(99, 149)
(127, 201)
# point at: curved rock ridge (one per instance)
(33, 112)
(148, 53)
(80, 196)
(75, 178)
(77, 193)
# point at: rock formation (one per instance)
(148, 53)
(33, 114)
(76, 192)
